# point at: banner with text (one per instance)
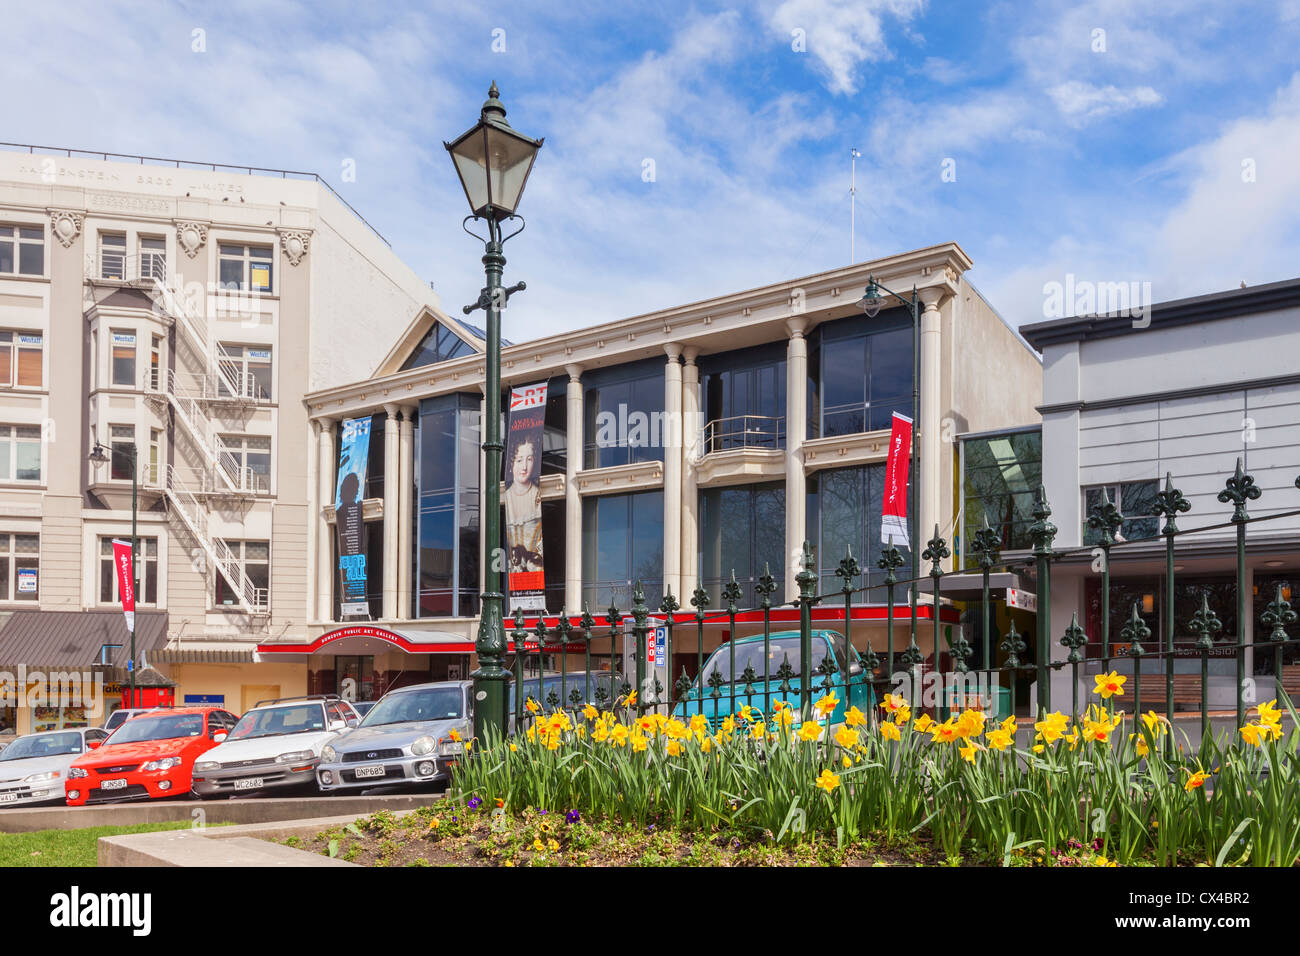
(354, 458)
(125, 581)
(523, 497)
(893, 515)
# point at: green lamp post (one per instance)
(493, 162)
(871, 303)
(98, 457)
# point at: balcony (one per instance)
(113, 266)
(741, 449)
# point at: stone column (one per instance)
(690, 527)
(327, 464)
(796, 427)
(392, 518)
(405, 510)
(572, 500)
(671, 439)
(313, 516)
(929, 493)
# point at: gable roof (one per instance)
(415, 333)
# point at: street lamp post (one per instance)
(98, 457)
(871, 304)
(493, 162)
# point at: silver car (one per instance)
(413, 735)
(34, 767)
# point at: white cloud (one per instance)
(1081, 101)
(842, 34)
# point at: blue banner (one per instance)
(354, 457)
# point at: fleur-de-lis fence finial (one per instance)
(1170, 502)
(1075, 639)
(936, 549)
(985, 545)
(848, 570)
(1277, 616)
(1205, 624)
(1105, 519)
(1135, 632)
(731, 593)
(1237, 490)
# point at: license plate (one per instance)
(8, 797)
(113, 784)
(369, 772)
(248, 783)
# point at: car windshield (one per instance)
(277, 721)
(119, 717)
(429, 703)
(750, 654)
(42, 745)
(162, 727)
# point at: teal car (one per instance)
(782, 646)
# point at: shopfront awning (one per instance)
(244, 654)
(367, 638)
(78, 639)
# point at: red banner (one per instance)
(893, 516)
(125, 581)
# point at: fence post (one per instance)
(1239, 489)
(1277, 616)
(1170, 503)
(1204, 624)
(640, 613)
(1106, 520)
(846, 572)
(1074, 639)
(891, 559)
(615, 620)
(700, 601)
(766, 587)
(1041, 532)
(984, 544)
(563, 628)
(807, 581)
(936, 549)
(668, 607)
(1133, 634)
(520, 636)
(731, 592)
(587, 623)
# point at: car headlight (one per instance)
(78, 772)
(329, 754)
(203, 766)
(448, 747)
(166, 763)
(38, 777)
(423, 745)
(298, 756)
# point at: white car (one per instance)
(275, 745)
(33, 767)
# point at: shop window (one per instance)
(20, 560)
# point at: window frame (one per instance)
(246, 258)
(113, 335)
(10, 557)
(239, 548)
(11, 364)
(1089, 536)
(11, 234)
(10, 438)
(105, 249)
(145, 595)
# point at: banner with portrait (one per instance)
(526, 579)
(354, 458)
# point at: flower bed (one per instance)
(1101, 787)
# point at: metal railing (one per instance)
(116, 265)
(968, 680)
(743, 431)
(189, 164)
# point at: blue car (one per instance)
(783, 645)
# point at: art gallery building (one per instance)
(679, 447)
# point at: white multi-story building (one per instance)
(178, 314)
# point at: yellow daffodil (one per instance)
(1268, 713)
(728, 724)
(1250, 734)
(1108, 685)
(618, 736)
(531, 733)
(1196, 781)
(469, 745)
(970, 723)
(533, 706)
(600, 733)
(706, 743)
(999, 739)
(945, 733)
(514, 748)
(631, 700)
(967, 751)
(673, 748)
(827, 704)
(1270, 731)
(552, 741)
(757, 730)
(902, 715)
(1009, 725)
(590, 712)
(784, 717)
(828, 781)
(923, 723)
(854, 717)
(676, 729)
(889, 730)
(699, 724)
(639, 741)
(1140, 744)
(1052, 727)
(1154, 722)
(846, 737)
(847, 762)
(455, 736)
(810, 731)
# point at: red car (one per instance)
(151, 755)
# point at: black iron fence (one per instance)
(823, 669)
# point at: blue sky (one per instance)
(1163, 150)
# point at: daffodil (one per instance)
(1108, 685)
(1196, 781)
(455, 736)
(893, 702)
(618, 736)
(514, 748)
(600, 733)
(1140, 744)
(784, 717)
(676, 730)
(846, 737)
(728, 724)
(828, 781)
(757, 730)
(639, 741)
(706, 743)
(810, 731)
(970, 723)
(923, 723)
(1052, 727)
(854, 717)
(967, 751)
(590, 712)
(889, 730)
(1250, 734)
(699, 724)
(945, 733)
(533, 706)
(1269, 714)
(902, 715)
(1154, 722)
(999, 739)
(673, 748)
(1010, 725)
(827, 704)
(846, 762)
